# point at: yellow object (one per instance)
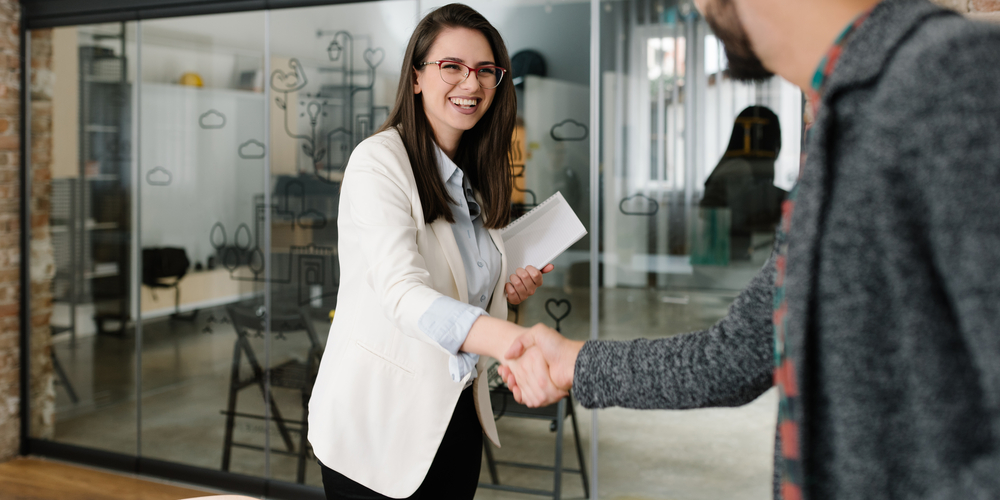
(191, 79)
(332, 312)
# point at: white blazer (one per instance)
(384, 397)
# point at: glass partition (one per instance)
(549, 46)
(202, 173)
(333, 77)
(81, 114)
(191, 226)
(691, 187)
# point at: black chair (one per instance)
(164, 268)
(293, 374)
(62, 379)
(504, 405)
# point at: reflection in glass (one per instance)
(81, 112)
(685, 224)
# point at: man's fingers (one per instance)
(528, 391)
(504, 372)
(517, 393)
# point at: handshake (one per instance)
(538, 366)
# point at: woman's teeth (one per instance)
(465, 103)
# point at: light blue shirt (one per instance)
(448, 321)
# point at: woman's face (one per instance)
(453, 109)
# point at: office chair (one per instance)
(164, 268)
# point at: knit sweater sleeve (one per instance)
(730, 364)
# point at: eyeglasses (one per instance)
(454, 73)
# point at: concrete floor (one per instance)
(643, 454)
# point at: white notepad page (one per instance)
(539, 236)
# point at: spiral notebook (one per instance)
(539, 236)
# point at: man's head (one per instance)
(744, 64)
(784, 37)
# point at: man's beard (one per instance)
(744, 65)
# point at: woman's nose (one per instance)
(471, 82)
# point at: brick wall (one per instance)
(985, 10)
(10, 76)
(42, 266)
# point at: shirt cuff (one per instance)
(447, 322)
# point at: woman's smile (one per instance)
(465, 105)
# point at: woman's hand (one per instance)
(524, 282)
(535, 388)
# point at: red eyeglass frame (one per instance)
(471, 70)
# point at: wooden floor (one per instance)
(34, 479)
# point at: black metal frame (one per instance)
(25, 221)
(237, 483)
(54, 13)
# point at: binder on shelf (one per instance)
(539, 236)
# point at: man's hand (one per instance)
(537, 388)
(524, 282)
(557, 352)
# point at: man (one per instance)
(878, 317)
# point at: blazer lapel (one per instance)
(499, 302)
(446, 237)
(498, 309)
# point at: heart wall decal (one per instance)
(554, 308)
(374, 57)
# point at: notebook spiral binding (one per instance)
(520, 219)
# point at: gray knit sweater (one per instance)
(893, 293)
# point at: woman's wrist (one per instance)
(491, 337)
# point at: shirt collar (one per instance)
(829, 61)
(449, 171)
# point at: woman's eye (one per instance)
(486, 71)
(452, 67)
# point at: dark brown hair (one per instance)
(484, 150)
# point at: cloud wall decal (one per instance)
(212, 119)
(252, 150)
(569, 130)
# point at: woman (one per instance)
(392, 413)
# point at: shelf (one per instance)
(87, 275)
(95, 275)
(104, 79)
(101, 226)
(90, 226)
(100, 128)
(103, 177)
